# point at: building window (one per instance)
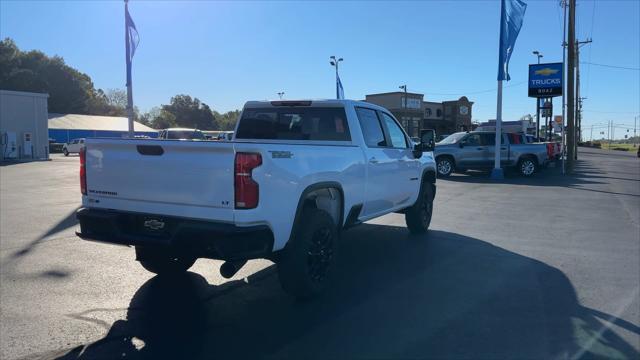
(427, 113)
(439, 113)
(415, 129)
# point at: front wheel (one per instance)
(418, 217)
(65, 152)
(304, 264)
(162, 262)
(445, 166)
(527, 167)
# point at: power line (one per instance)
(593, 17)
(611, 112)
(610, 66)
(474, 92)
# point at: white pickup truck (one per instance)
(295, 175)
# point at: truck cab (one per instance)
(476, 150)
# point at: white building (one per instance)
(24, 129)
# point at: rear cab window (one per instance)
(294, 123)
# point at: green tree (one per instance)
(191, 113)
(164, 120)
(228, 120)
(70, 91)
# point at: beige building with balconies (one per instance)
(414, 113)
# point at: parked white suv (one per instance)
(72, 147)
(297, 174)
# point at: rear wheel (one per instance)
(163, 262)
(418, 217)
(527, 167)
(304, 264)
(445, 166)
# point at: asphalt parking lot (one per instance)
(547, 267)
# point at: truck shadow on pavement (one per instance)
(441, 295)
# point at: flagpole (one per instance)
(497, 172)
(128, 62)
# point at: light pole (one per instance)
(404, 88)
(537, 53)
(280, 94)
(334, 62)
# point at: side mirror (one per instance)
(427, 140)
(461, 144)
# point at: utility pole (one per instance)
(538, 55)
(635, 134)
(591, 136)
(578, 112)
(563, 3)
(571, 42)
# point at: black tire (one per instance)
(305, 263)
(65, 152)
(418, 216)
(163, 262)
(527, 167)
(445, 166)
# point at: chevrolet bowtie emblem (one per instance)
(154, 224)
(546, 71)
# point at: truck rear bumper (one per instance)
(197, 237)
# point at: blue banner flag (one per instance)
(132, 34)
(339, 89)
(510, 24)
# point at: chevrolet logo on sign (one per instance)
(546, 71)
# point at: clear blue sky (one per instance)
(228, 52)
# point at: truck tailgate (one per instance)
(178, 178)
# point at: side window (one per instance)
(371, 129)
(396, 135)
(81, 141)
(489, 139)
(473, 140)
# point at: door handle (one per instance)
(373, 160)
(503, 148)
(480, 148)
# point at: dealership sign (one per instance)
(545, 80)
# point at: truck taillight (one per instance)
(83, 170)
(246, 190)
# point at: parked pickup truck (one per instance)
(296, 175)
(476, 150)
